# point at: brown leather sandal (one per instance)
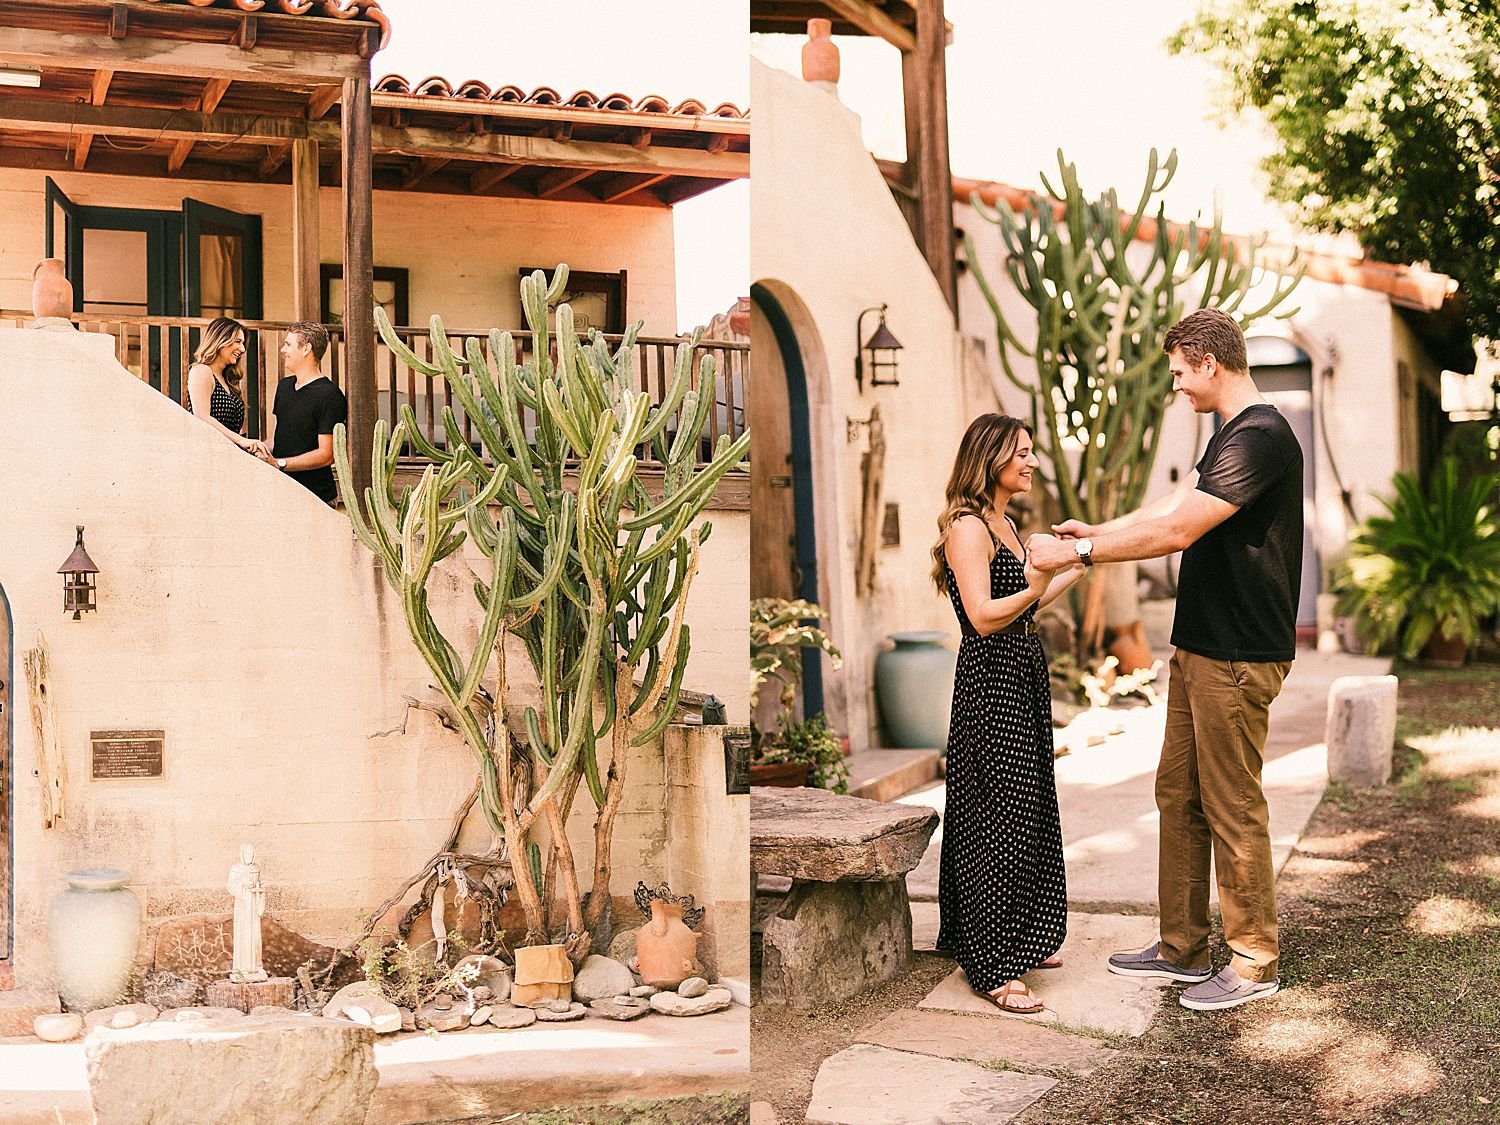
(1011, 991)
(1053, 962)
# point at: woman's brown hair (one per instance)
(987, 447)
(220, 332)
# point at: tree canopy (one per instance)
(1388, 118)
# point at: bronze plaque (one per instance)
(127, 754)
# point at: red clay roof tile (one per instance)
(438, 87)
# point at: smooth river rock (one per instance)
(599, 978)
(674, 1004)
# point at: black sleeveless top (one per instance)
(225, 407)
(1003, 572)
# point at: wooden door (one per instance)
(773, 519)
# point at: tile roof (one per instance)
(336, 9)
(440, 88)
(1410, 285)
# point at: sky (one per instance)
(1090, 76)
(676, 48)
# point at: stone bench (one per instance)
(845, 924)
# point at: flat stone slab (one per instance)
(869, 1085)
(1083, 995)
(820, 836)
(1012, 1043)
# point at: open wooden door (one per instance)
(222, 276)
(64, 225)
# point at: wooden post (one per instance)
(926, 81)
(359, 279)
(307, 295)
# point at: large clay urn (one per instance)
(914, 687)
(51, 291)
(94, 928)
(820, 54)
(665, 947)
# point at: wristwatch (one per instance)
(281, 463)
(1084, 549)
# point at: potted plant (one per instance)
(1422, 577)
(791, 753)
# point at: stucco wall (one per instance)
(240, 615)
(463, 253)
(827, 242)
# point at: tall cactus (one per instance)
(585, 566)
(1102, 383)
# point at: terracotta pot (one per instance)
(820, 55)
(783, 775)
(1444, 652)
(665, 947)
(51, 291)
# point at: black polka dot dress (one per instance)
(1002, 890)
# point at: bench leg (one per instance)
(830, 941)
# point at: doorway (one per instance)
(784, 542)
(129, 263)
(1283, 375)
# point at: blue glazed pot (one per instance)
(914, 686)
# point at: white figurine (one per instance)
(249, 904)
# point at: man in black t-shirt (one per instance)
(307, 407)
(1238, 521)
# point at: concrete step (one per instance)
(884, 775)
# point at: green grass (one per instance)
(1390, 939)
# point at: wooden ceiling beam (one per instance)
(249, 31)
(616, 188)
(560, 178)
(99, 86)
(42, 116)
(420, 171)
(81, 150)
(213, 93)
(274, 158)
(178, 156)
(487, 178)
(25, 46)
(870, 19)
(322, 100)
(119, 21)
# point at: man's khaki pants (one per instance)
(1208, 791)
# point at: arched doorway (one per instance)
(1283, 374)
(784, 541)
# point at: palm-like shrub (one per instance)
(1430, 566)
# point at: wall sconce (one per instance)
(882, 346)
(78, 580)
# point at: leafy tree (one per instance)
(1388, 118)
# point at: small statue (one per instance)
(249, 904)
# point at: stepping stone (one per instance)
(507, 1017)
(926, 920)
(1083, 994)
(1015, 1043)
(869, 1085)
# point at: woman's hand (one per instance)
(1036, 578)
(258, 448)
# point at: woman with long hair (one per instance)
(1001, 886)
(214, 381)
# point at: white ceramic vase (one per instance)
(94, 928)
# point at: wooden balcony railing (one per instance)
(158, 350)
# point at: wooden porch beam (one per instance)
(178, 156)
(307, 287)
(40, 116)
(99, 86)
(213, 93)
(872, 21)
(598, 155)
(119, 21)
(81, 150)
(274, 158)
(926, 83)
(359, 275)
(33, 47)
(487, 178)
(619, 187)
(420, 171)
(322, 100)
(559, 178)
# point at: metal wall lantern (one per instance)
(78, 580)
(882, 347)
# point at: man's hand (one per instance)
(263, 454)
(1074, 529)
(1046, 552)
